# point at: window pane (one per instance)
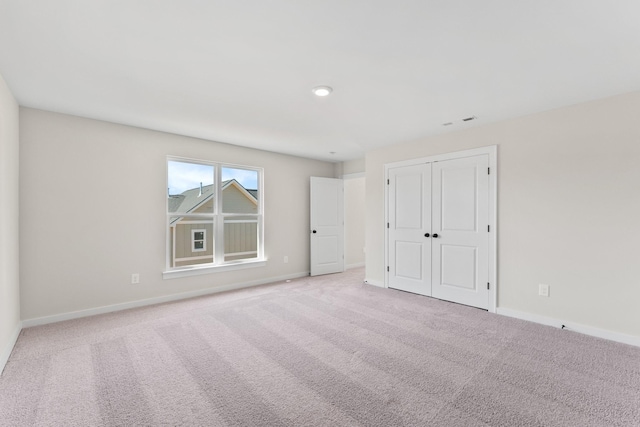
(240, 238)
(239, 190)
(184, 250)
(190, 187)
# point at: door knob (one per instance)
(435, 235)
(426, 234)
(314, 231)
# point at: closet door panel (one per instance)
(460, 242)
(409, 214)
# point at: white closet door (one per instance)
(460, 239)
(409, 222)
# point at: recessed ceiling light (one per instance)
(321, 90)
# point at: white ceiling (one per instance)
(241, 71)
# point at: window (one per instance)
(214, 215)
(198, 240)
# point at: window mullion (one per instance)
(173, 249)
(218, 221)
(260, 247)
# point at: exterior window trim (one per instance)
(217, 217)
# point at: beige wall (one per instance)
(353, 166)
(354, 202)
(568, 209)
(9, 223)
(354, 192)
(107, 183)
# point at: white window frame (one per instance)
(203, 240)
(217, 217)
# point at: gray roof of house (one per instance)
(190, 200)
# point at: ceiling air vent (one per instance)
(467, 119)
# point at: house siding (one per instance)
(241, 238)
(235, 201)
(183, 243)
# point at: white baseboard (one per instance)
(576, 327)
(374, 283)
(356, 265)
(156, 300)
(6, 351)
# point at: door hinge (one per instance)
(488, 171)
(387, 182)
(387, 225)
(488, 229)
(487, 285)
(387, 268)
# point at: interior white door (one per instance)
(327, 226)
(460, 239)
(409, 228)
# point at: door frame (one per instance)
(492, 152)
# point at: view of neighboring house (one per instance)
(192, 237)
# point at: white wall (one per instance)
(93, 212)
(354, 220)
(9, 223)
(568, 210)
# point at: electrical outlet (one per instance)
(135, 278)
(543, 290)
(286, 259)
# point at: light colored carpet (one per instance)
(317, 351)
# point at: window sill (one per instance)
(199, 270)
